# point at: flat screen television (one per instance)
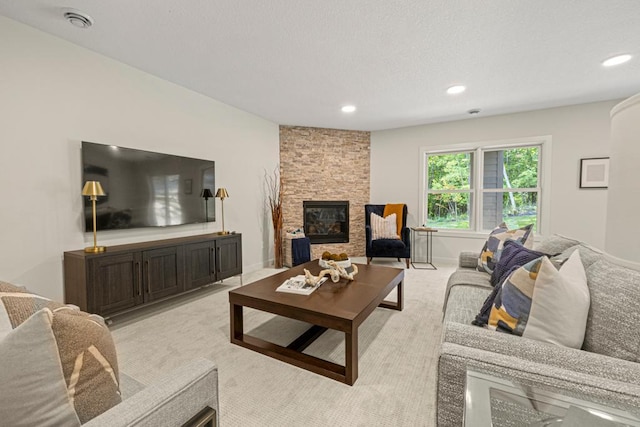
(146, 189)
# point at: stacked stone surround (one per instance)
(326, 164)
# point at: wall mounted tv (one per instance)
(146, 189)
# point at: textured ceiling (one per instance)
(296, 62)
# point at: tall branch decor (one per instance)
(274, 199)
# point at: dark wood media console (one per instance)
(126, 277)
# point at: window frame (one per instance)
(471, 191)
(477, 191)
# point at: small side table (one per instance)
(428, 232)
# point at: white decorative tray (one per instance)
(344, 264)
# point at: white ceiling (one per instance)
(296, 62)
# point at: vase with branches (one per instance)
(274, 200)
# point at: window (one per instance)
(475, 188)
(450, 190)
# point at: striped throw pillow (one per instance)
(383, 228)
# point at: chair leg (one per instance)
(369, 260)
(407, 261)
(398, 259)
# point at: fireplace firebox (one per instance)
(326, 221)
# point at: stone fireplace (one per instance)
(326, 164)
(326, 221)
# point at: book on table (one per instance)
(298, 285)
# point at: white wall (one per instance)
(577, 132)
(623, 237)
(53, 95)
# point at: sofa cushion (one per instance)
(588, 254)
(383, 228)
(492, 249)
(387, 244)
(466, 278)
(554, 244)
(482, 318)
(463, 302)
(532, 302)
(81, 345)
(613, 325)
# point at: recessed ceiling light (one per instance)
(77, 18)
(456, 89)
(616, 60)
(348, 108)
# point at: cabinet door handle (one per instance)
(213, 260)
(146, 266)
(139, 271)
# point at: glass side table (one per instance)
(493, 401)
(417, 233)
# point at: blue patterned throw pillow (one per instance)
(512, 303)
(494, 245)
(514, 254)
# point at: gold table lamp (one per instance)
(93, 189)
(222, 194)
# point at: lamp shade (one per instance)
(206, 193)
(92, 188)
(222, 193)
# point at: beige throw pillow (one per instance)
(55, 359)
(560, 304)
(383, 228)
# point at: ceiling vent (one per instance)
(78, 19)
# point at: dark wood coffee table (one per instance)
(342, 306)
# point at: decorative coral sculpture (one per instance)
(342, 272)
(334, 271)
(311, 279)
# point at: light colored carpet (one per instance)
(397, 357)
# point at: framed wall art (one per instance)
(594, 172)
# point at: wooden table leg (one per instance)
(237, 327)
(397, 305)
(351, 356)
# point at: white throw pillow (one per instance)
(383, 228)
(560, 304)
(32, 383)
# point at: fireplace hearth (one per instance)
(326, 221)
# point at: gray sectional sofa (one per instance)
(606, 370)
(185, 396)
